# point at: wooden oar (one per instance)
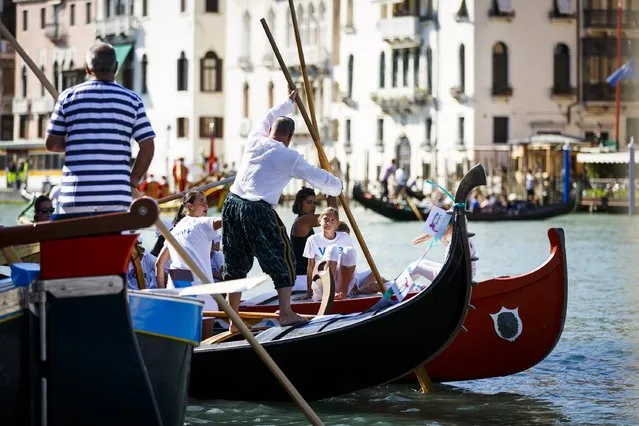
(257, 347)
(249, 315)
(202, 188)
(322, 157)
(412, 205)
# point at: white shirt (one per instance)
(217, 261)
(267, 166)
(316, 244)
(195, 234)
(400, 177)
(148, 268)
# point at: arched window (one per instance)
(429, 69)
(312, 26)
(416, 53)
(301, 22)
(143, 70)
(462, 68)
(210, 73)
(561, 69)
(289, 29)
(382, 70)
(395, 68)
(349, 13)
(321, 27)
(271, 94)
(350, 76)
(42, 85)
(246, 100)
(56, 76)
(405, 67)
(182, 73)
(270, 20)
(246, 35)
(500, 69)
(24, 81)
(403, 154)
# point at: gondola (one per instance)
(333, 355)
(402, 212)
(76, 347)
(516, 323)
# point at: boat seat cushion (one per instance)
(24, 273)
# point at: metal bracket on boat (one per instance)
(82, 287)
(13, 301)
(471, 307)
(470, 234)
(474, 259)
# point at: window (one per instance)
(218, 129)
(382, 70)
(182, 73)
(462, 68)
(43, 17)
(120, 8)
(56, 76)
(561, 69)
(88, 13)
(460, 130)
(24, 81)
(182, 127)
(500, 130)
(107, 9)
(43, 121)
(271, 94)
(563, 7)
(347, 131)
(501, 8)
(212, 6)
(395, 67)
(144, 65)
(25, 20)
(349, 13)
(145, 8)
(405, 67)
(429, 69)
(245, 96)
(182, 5)
(416, 67)
(42, 85)
(500, 70)
(350, 76)
(246, 35)
(72, 15)
(380, 130)
(24, 127)
(210, 73)
(429, 130)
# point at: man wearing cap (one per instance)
(93, 124)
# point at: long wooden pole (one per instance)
(246, 332)
(300, 52)
(322, 157)
(202, 188)
(618, 85)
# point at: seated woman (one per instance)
(43, 208)
(429, 269)
(217, 259)
(304, 207)
(195, 231)
(147, 262)
(336, 248)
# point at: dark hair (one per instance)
(188, 197)
(101, 58)
(39, 200)
(301, 195)
(343, 227)
(284, 127)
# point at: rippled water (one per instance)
(590, 378)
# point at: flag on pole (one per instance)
(627, 71)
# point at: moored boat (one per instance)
(516, 323)
(312, 355)
(88, 350)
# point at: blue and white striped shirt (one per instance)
(99, 119)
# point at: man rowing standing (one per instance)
(93, 124)
(252, 228)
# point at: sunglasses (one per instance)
(49, 210)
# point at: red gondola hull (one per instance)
(516, 323)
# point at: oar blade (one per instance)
(234, 286)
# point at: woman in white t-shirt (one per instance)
(195, 231)
(335, 247)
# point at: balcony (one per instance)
(607, 18)
(502, 91)
(244, 62)
(43, 105)
(6, 50)
(458, 93)
(401, 31)
(269, 61)
(54, 33)
(315, 57)
(21, 106)
(117, 25)
(404, 100)
(603, 92)
(245, 127)
(564, 92)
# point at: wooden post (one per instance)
(618, 85)
(322, 157)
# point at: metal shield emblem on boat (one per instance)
(508, 324)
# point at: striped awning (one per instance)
(606, 158)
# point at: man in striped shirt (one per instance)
(93, 124)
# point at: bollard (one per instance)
(566, 195)
(631, 177)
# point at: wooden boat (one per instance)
(311, 355)
(76, 344)
(401, 212)
(516, 323)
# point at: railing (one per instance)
(313, 56)
(43, 105)
(607, 18)
(604, 92)
(20, 106)
(400, 29)
(6, 48)
(116, 25)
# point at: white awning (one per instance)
(607, 158)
